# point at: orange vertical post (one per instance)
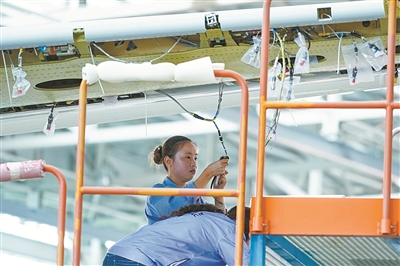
(62, 202)
(257, 221)
(80, 164)
(244, 106)
(387, 158)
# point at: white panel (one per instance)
(186, 24)
(35, 35)
(340, 12)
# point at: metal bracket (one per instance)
(393, 228)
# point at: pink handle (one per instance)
(21, 170)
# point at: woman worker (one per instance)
(196, 234)
(178, 154)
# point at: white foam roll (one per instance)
(89, 73)
(198, 70)
(116, 72)
(158, 72)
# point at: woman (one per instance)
(178, 154)
(196, 234)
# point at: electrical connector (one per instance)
(50, 126)
(354, 75)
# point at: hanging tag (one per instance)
(302, 61)
(358, 68)
(374, 53)
(253, 55)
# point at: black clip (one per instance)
(211, 21)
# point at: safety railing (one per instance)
(239, 192)
(324, 216)
(14, 171)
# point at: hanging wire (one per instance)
(123, 61)
(290, 90)
(338, 55)
(291, 72)
(167, 52)
(11, 63)
(273, 138)
(145, 110)
(6, 72)
(275, 119)
(354, 71)
(220, 93)
(91, 55)
(108, 55)
(339, 35)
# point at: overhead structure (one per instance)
(171, 25)
(59, 49)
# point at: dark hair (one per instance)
(195, 208)
(169, 148)
(232, 214)
(211, 208)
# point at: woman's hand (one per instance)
(216, 168)
(221, 182)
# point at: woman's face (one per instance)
(182, 168)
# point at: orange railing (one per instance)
(239, 192)
(327, 216)
(36, 169)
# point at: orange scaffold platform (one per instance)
(324, 216)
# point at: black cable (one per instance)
(221, 139)
(220, 93)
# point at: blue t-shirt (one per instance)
(197, 238)
(162, 206)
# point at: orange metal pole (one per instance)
(244, 110)
(62, 201)
(387, 157)
(257, 223)
(80, 163)
(344, 105)
(160, 191)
